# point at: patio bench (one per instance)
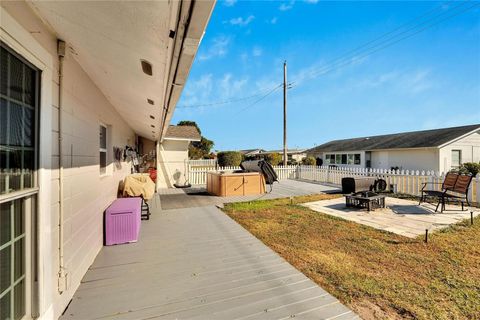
(454, 187)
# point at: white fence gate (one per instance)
(398, 181)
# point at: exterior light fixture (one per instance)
(147, 67)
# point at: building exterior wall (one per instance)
(469, 147)
(299, 156)
(406, 159)
(172, 157)
(86, 192)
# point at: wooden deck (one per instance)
(197, 263)
(198, 197)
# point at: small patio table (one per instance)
(368, 200)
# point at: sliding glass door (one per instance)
(19, 98)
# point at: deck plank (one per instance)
(197, 263)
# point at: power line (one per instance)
(356, 49)
(341, 61)
(328, 67)
(226, 101)
(260, 99)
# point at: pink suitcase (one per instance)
(122, 221)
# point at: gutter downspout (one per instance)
(62, 275)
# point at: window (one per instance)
(328, 159)
(344, 159)
(338, 159)
(456, 158)
(350, 159)
(332, 159)
(19, 101)
(356, 158)
(103, 150)
(18, 122)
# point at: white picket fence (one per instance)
(198, 175)
(203, 163)
(399, 181)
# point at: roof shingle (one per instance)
(183, 132)
(405, 140)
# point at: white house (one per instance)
(80, 80)
(439, 150)
(172, 157)
(292, 154)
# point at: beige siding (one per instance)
(86, 193)
(470, 149)
(172, 157)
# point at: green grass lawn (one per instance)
(378, 274)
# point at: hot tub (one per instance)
(226, 184)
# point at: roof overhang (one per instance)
(377, 150)
(180, 139)
(458, 138)
(109, 39)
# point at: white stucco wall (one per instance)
(470, 150)
(172, 157)
(406, 159)
(86, 193)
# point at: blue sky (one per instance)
(429, 80)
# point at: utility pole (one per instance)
(285, 157)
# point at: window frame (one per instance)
(103, 169)
(459, 158)
(355, 156)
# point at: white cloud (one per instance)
(286, 5)
(229, 3)
(273, 20)
(218, 48)
(418, 81)
(409, 82)
(200, 92)
(240, 21)
(230, 87)
(257, 51)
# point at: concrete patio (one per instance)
(197, 263)
(403, 217)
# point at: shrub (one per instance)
(273, 158)
(472, 168)
(229, 158)
(309, 161)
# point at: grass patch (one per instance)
(378, 274)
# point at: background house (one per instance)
(251, 153)
(439, 150)
(292, 154)
(80, 80)
(173, 155)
